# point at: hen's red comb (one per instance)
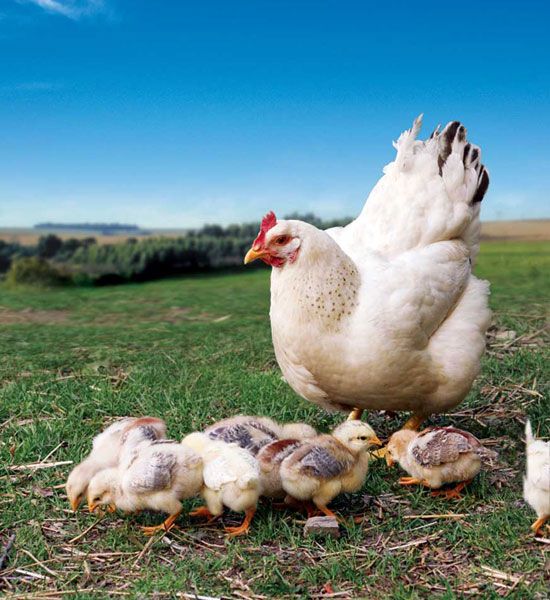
(268, 222)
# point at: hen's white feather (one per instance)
(385, 313)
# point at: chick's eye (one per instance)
(362, 437)
(282, 239)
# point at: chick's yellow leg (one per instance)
(203, 511)
(453, 492)
(164, 526)
(414, 422)
(242, 529)
(412, 481)
(326, 511)
(538, 524)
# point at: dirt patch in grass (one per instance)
(31, 315)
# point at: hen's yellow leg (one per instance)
(164, 526)
(414, 422)
(242, 529)
(538, 524)
(355, 414)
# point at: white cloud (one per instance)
(73, 9)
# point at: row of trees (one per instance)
(83, 261)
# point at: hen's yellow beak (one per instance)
(253, 255)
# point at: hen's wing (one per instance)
(430, 193)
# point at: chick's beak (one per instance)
(375, 441)
(389, 460)
(91, 506)
(253, 254)
(75, 503)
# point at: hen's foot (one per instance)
(412, 481)
(164, 526)
(453, 493)
(538, 525)
(355, 414)
(242, 529)
(414, 422)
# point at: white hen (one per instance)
(536, 483)
(385, 313)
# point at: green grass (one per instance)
(72, 358)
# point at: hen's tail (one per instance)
(430, 193)
(466, 179)
(456, 157)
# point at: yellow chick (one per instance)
(327, 465)
(231, 478)
(157, 476)
(536, 483)
(252, 432)
(438, 456)
(270, 458)
(106, 450)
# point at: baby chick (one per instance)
(252, 433)
(106, 450)
(327, 465)
(270, 458)
(437, 456)
(536, 483)
(231, 478)
(157, 476)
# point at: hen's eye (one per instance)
(282, 239)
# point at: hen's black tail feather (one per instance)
(471, 156)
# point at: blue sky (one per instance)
(175, 113)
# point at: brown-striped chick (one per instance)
(253, 432)
(106, 451)
(327, 465)
(157, 476)
(231, 478)
(437, 456)
(270, 458)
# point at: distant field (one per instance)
(537, 229)
(197, 349)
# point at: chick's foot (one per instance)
(453, 493)
(164, 526)
(244, 527)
